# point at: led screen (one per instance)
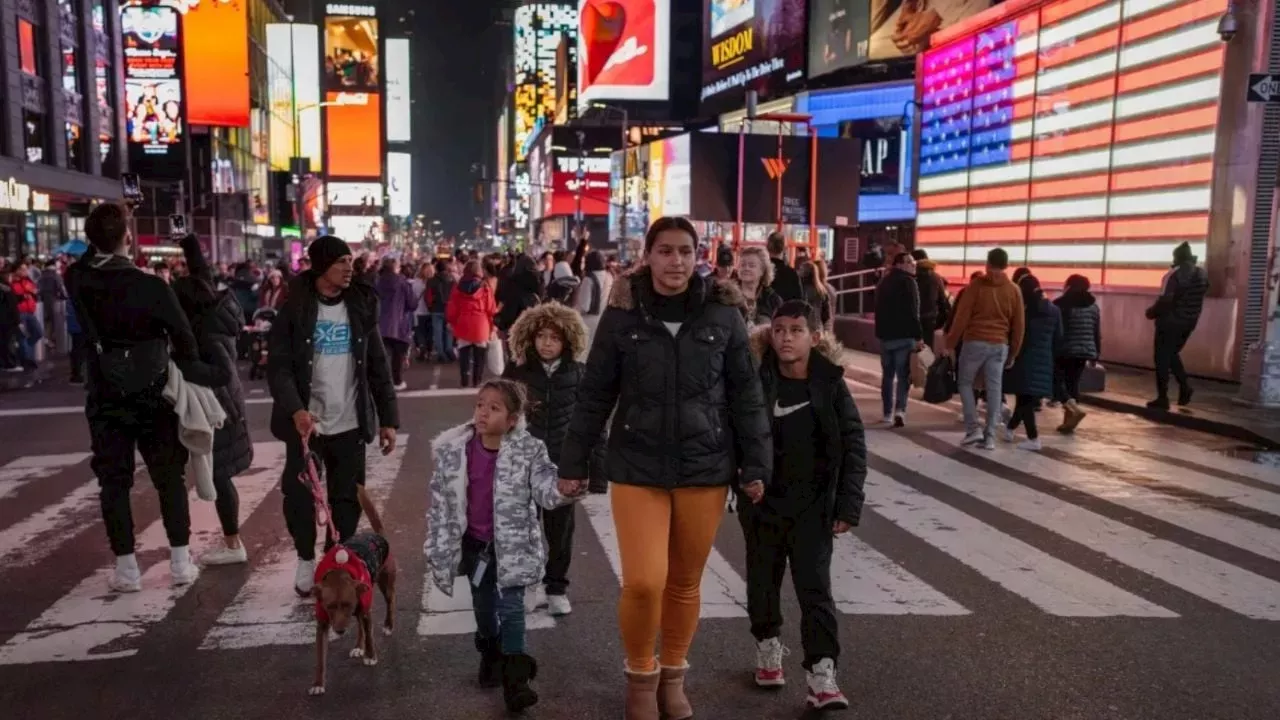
(398, 95)
(215, 60)
(353, 124)
(751, 45)
(351, 53)
(623, 50)
(153, 91)
(399, 184)
(538, 28)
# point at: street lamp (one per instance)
(626, 240)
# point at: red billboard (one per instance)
(623, 50)
(568, 186)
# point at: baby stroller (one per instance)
(257, 330)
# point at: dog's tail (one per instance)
(370, 510)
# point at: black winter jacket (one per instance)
(898, 307)
(216, 332)
(689, 405)
(1081, 326)
(786, 281)
(553, 396)
(767, 303)
(839, 424)
(1182, 300)
(290, 357)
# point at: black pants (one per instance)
(471, 363)
(1169, 343)
(1067, 372)
(8, 334)
(1024, 413)
(227, 504)
(343, 458)
(928, 328)
(148, 424)
(558, 525)
(79, 348)
(398, 350)
(806, 542)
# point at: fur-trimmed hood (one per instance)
(564, 319)
(626, 288)
(828, 346)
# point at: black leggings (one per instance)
(227, 504)
(399, 350)
(1069, 370)
(1024, 412)
(471, 363)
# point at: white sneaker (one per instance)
(972, 438)
(988, 443)
(1006, 434)
(225, 556)
(181, 570)
(1032, 445)
(402, 386)
(888, 419)
(304, 578)
(769, 654)
(824, 693)
(535, 597)
(558, 605)
(127, 578)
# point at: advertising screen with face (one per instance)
(623, 50)
(351, 53)
(751, 45)
(901, 28)
(153, 90)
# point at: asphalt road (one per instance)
(1132, 572)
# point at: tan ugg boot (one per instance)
(642, 695)
(672, 701)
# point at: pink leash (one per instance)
(310, 478)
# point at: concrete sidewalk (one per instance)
(1213, 410)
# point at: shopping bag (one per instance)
(920, 364)
(940, 381)
(494, 362)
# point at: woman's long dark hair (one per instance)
(1032, 294)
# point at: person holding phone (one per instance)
(331, 386)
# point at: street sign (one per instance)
(1264, 88)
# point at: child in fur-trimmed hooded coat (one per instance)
(548, 346)
(490, 478)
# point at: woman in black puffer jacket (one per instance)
(671, 352)
(217, 320)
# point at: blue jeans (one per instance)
(442, 337)
(34, 330)
(988, 358)
(895, 362)
(499, 612)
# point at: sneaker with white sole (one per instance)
(181, 570)
(888, 419)
(126, 578)
(1006, 434)
(972, 438)
(535, 597)
(988, 443)
(225, 556)
(769, 654)
(1031, 445)
(558, 605)
(304, 578)
(824, 693)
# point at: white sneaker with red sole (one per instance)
(769, 654)
(824, 694)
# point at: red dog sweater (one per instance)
(361, 557)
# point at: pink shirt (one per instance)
(481, 463)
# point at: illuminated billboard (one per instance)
(538, 29)
(152, 88)
(624, 49)
(280, 139)
(399, 118)
(357, 230)
(215, 63)
(306, 92)
(353, 124)
(751, 45)
(846, 33)
(1078, 138)
(353, 194)
(399, 184)
(351, 54)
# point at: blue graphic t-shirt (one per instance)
(333, 377)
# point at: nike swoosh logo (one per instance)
(779, 411)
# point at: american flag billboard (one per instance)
(1076, 134)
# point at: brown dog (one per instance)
(344, 590)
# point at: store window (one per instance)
(75, 148)
(34, 136)
(28, 50)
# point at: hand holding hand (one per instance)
(387, 440)
(754, 491)
(571, 488)
(840, 527)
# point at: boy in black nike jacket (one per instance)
(820, 463)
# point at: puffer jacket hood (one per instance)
(926, 265)
(827, 346)
(1076, 300)
(470, 285)
(226, 317)
(561, 318)
(627, 290)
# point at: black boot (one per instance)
(517, 671)
(490, 674)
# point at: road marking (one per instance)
(1232, 530)
(267, 611)
(1218, 582)
(23, 470)
(1210, 459)
(865, 582)
(1050, 584)
(39, 535)
(444, 615)
(91, 617)
(79, 409)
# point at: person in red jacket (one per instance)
(24, 288)
(470, 316)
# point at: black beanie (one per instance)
(326, 250)
(1182, 254)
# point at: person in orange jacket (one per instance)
(470, 316)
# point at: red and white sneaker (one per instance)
(769, 654)
(824, 694)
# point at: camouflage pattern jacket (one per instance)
(524, 479)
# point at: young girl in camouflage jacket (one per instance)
(490, 478)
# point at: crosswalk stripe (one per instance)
(1206, 577)
(20, 471)
(444, 615)
(31, 540)
(1241, 533)
(266, 610)
(866, 582)
(1218, 461)
(1047, 582)
(1170, 473)
(89, 618)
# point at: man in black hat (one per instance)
(331, 386)
(1176, 314)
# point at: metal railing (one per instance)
(852, 300)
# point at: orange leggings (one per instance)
(664, 538)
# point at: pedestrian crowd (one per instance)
(677, 387)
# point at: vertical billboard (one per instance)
(152, 88)
(280, 121)
(1078, 137)
(538, 28)
(502, 190)
(353, 130)
(215, 60)
(351, 61)
(399, 117)
(306, 92)
(751, 45)
(846, 33)
(624, 50)
(400, 184)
